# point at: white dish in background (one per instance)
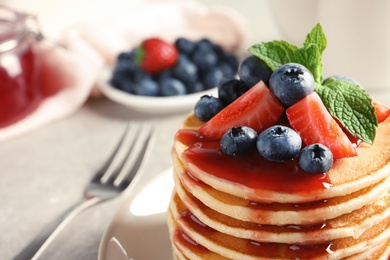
(138, 230)
(151, 105)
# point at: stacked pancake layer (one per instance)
(225, 207)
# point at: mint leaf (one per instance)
(275, 53)
(310, 57)
(351, 106)
(316, 37)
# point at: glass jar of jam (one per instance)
(20, 88)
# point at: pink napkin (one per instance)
(92, 46)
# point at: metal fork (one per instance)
(109, 182)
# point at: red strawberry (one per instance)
(310, 118)
(155, 55)
(382, 111)
(258, 108)
(353, 139)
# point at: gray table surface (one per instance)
(44, 172)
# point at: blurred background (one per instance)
(56, 15)
(357, 30)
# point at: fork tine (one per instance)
(104, 173)
(128, 147)
(133, 163)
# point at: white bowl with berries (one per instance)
(158, 77)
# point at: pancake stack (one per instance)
(243, 207)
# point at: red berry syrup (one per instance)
(250, 170)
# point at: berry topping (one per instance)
(155, 55)
(279, 143)
(382, 111)
(230, 89)
(291, 82)
(258, 108)
(238, 140)
(310, 118)
(252, 70)
(207, 107)
(315, 158)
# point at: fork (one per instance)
(113, 179)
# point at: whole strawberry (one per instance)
(155, 55)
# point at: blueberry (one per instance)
(184, 45)
(205, 59)
(238, 140)
(204, 45)
(212, 78)
(253, 69)
(118, 80)
(172, 87)
(185, 70)
(341, 77)
(291, 82)
(279, 143)
(195, 87)
(124, 57)
(207, 107)
(226, 69)
(230, 89)
(122, 73)
(146, 87)
(232, 60)
(124, 66)
(218, 49)
(316, 158)
(163, 75)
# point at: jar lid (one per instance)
(13, 27)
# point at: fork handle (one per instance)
(35, 248)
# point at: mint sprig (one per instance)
(351, 105)
(345, 101)
(277, 53)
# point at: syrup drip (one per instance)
(180, 237)
(251, 169)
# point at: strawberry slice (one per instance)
(310, 118)
(355, 141)
(382, 111)
(257, 108)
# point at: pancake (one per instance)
(351, 224)
(278, 213)
(370, 254)
(223, 207)
(184, 248)
(346, 176)
(238, 248)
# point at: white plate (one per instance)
(138, 230)
(151, 105)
